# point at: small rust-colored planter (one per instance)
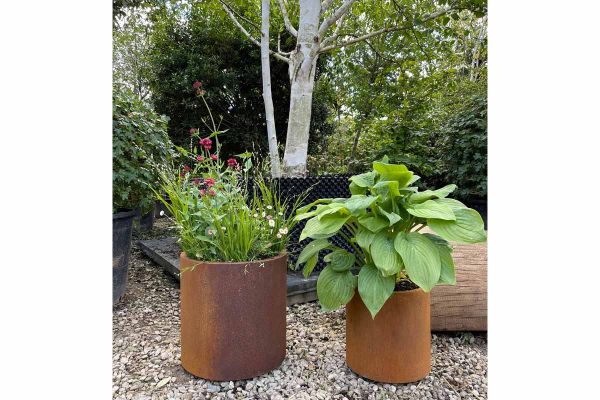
(232, 317)
(395, 347)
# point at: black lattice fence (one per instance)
(319, 187)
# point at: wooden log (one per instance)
(463, 307)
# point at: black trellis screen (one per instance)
(322, 186)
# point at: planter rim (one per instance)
(235, 263)
(124, 213)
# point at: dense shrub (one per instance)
(139, 135)
(464, 147)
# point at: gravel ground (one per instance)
(146, 353)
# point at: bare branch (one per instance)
(229, 10)
(336, 33)
(379, 32)
(286, 19)
(335, 16)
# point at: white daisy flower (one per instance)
(279, 236)
(255, 215)
(269, 207)
(161, 213)
(269, 217)
(280, 213)
(263, 214)
(271, 223)
(210, 232)
(285, 230)
(223, 228)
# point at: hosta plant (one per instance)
(383, 221)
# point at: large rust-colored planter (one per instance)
(395, 347)
(232, 317)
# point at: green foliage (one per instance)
(208, 199)
(201, 43)
(384, 224)
(139, 140)
(465, 147)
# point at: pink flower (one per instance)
(206, 143)
(232, 162)
(209, 182)
(214, 157)
(212, 192)
(200, 92)
(202, 192)
(197, 85)
(186, 168)
(196, 181)
(200, 158)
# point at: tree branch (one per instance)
(337, 14)
(325, 5)
(229, 10)
(286, 19)
(379, 32)
(336, 33)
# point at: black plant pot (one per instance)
(144, 222)
(122, 227)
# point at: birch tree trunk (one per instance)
(302, 79)
(266, 84)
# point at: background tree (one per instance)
(315, 20)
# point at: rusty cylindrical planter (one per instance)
(232, 317)
(395, 347)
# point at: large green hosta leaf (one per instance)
(385, 188)
(311, 249)
(431, 209)
(447, 272)
(356, 204)
(468, 227)
(355, 189)
(392, 217)
(393, 172)
(374, 223)
(335, 289)
(364, 237)
(452, 203)
(421, 259)
(364, 180)
(374, 288)
(432, 194)
(324, 227)
(385, 258)
(340, 260)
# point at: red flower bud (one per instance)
(209, 182)
(200, 158)
(212, 192)
(202, 192)
(197, 85)
(200, 92)
(196, 181)
(232, 162)
(186, 168)
(214, 157)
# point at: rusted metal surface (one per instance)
(233, 317)
(396, 346)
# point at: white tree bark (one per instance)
(302, 79)
(266, 84)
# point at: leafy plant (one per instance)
(219, 216)
(139, 140)
(382, 221)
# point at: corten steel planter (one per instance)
(395, 347)
(232, 317)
